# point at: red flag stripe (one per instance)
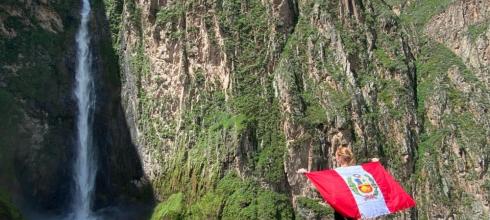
(395, 197)
(344, 203)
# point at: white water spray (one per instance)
(85, 165)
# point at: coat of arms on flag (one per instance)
(363, 186)
(364, 191)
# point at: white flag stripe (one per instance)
(368, 196)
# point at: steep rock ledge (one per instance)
(464, 28)
(224, 90)
(452, 62)
(199, 74)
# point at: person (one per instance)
(344, 158)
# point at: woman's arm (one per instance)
(302, 170)
(367, 160)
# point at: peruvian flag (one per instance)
(364, 191)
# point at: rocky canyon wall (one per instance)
(252, 91)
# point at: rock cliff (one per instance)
(216, 104)
(256, 90)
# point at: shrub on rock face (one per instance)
(313, 209)
(7, 210)
(170, 209)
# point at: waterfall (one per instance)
(85, 164)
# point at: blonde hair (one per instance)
(344, 153)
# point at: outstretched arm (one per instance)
(302, 170)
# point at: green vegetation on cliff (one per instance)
(215, 124)
(314, 206)
(170, 209)
(7, 210)
(459, 128)
(453, 130)
(353, 73)
(474, 31)
(233, 198)
(421, 11)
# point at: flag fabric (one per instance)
(364, 191)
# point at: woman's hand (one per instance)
(302, 170)
(374, 159)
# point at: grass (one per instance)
(421, 11)
(428, 142)
(134, 13)
(389, 63)
(114, 9)
(7, 210)
(475, 30)
(238, 199)
(457, 126)
(314, 206)
(393, 95)
(172, 208)
(394, 2)
(434, 61)
(486, 185)
(170, 13)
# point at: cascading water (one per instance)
(85, 164)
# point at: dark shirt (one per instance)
(338, 216)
